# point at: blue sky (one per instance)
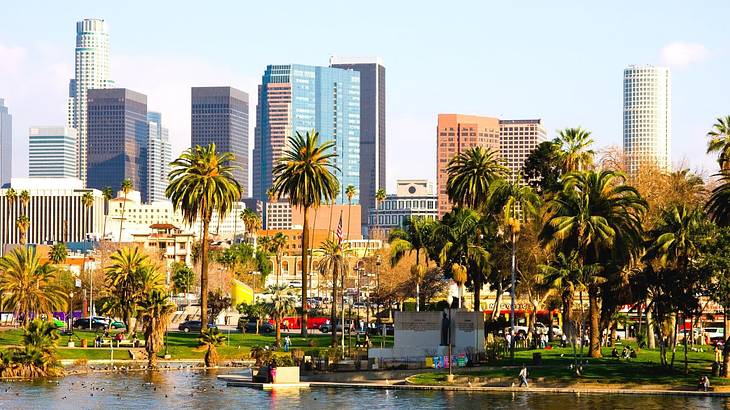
(560, 61)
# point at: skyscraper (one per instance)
(6, 144)
(91, 72)
(118, 138)
(303, 98)
(647, 117)
(456, 133)
(220, 116)
(52, 152)
(159, 156)
(372, 126)
(517, 139)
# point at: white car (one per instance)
(542, 329)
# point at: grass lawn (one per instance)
(184, 345)
(645, 369)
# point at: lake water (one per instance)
(197, 389)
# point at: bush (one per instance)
(283, 361)
(297, 356)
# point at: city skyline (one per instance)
(587, 93)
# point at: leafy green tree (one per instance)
(211, 338)
(305, 175)
(126, 188)
(218, 301)
(719, 141)
(201, 181)
(470, 175)
(716, 261)
(29, 287)
(255, 311)
(183, 277)
(543, 167)
(413, 237)
(598, 215)
(58, 253)
(155, 310)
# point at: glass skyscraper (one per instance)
(52, 152)
(300, 98)
(159, 156)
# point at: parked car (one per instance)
(193, 326)
(250, 326)
(519, 330)
(96, 324)
(377, 331)
(715, 334)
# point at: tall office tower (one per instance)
(300, 98)
(118, 137)
(91, 72)
(456, 133)
(372, 126)
(159, 156)
(52, 152)
(220, 116)
(6, 143)
(647, 117)
(517, 139)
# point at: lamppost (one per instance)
(450, 377)
(512, 300)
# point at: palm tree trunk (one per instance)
(567, 312)
(650, 340)
(497, 301)
(477, 292)
(204, 276)
(595, 330)
(121, 221)
(278, 332)
(305, 271)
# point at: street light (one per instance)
(450, 377)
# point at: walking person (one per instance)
(523, 376)
(287, 343)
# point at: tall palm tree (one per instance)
(379, 198)
(282, 303)
(108, 194)
(350, 193)
(126, 187)
(277, 245)
(600, 216)
(413, 237)
(155, 310)
(720, 141)
(574, 145)
(517, 203)
(30, 287)
(201, 182)
(24, 200)
(332, 260)
(252, 223)
(718, 206)
(305, 175)
(11, 196)
(23, 224)
(562, 275)
(58, 253)
(470, 175)
(87, 200)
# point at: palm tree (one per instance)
(155, 310)
(350, 192)
(305, 176)
(108, 194)
(125, 188)
(599, 216)
(277, 245)
(282, 303)
(252, 223)
(413, 237)
(58, 253)
(720, 141)
(332, 260)
(211, 338)
(24, 200)
(23, 224)
(517, 203)
(87, 200)
(379, 198)
(11, 196)
(201, 182)
(718, 206)
(470, 175)
(574, 146)
(30, 287)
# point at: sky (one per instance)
(561, 61)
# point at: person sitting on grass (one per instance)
(614, 352)
(703, 384)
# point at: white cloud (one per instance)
(683, 54)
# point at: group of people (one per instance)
(627, 353)
(116, 338)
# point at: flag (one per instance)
(339, 230)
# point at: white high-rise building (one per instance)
(159, 156)
(517, 139)
(647, 117)
(6, 143)
(52, 152)
(91, 72)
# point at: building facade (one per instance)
(52, 152)
(647, 117)
(168, 242)
(372, 125)
(6, 144)
(159, 156)
(281, 216)
(414, 198)
(517, 139)
(456, 133)
(300, 98)
(56, 211)
(118, 134)
(91, 71)
(220, 115)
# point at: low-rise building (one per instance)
(167, 241)
(413, 198)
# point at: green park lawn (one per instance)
(183, 346)
(555, 370)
